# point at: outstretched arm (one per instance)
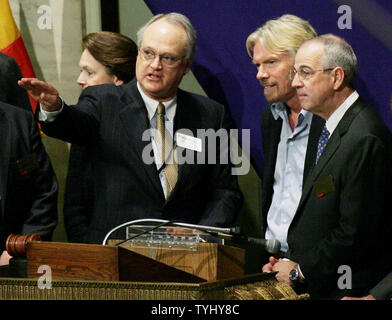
(43, 92)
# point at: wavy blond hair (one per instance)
(284, 34)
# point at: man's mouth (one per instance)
(153, 77)
(301, 95)
(268, 87)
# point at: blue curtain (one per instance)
(224, 69)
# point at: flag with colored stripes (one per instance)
(11, 43)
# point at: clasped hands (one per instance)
(282, 266)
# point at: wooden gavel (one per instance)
(16, 244)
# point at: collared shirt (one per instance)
(338, 114)
(151, 106)
(288, 176)
(170, 111)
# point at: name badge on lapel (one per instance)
(27, 164)
(188, 142)
(323, 186)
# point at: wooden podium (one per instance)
(111, 263)
(87, 271)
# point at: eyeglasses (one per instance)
(166, 59)
(306, 74)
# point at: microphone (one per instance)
(270, 245)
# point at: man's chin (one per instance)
(271, 99)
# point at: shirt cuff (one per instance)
(300, 272)
(50, 116)
(299, 268)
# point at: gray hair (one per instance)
(338, 53)
(174, 18)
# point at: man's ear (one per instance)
(188, 65)
(339, 77)
(117, 81)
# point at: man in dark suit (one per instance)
(289, 133)
(338, 240)
(10, 92)
(114, 122)
(382, 291)
(28, 186)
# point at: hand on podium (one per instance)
(5, 258)
(269, 266)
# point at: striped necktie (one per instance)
(165, 147)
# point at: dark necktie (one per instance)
(323, 140)
(165, 147)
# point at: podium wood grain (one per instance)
(70, 261)
(209, 261)
(73, 260)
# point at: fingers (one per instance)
(267, 268)
(27, 83)
(273, 260)
(4, 258)
(42, 91)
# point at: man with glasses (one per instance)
(114, 122)
(339, 238)
(290, 134)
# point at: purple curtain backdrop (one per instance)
(224, 69)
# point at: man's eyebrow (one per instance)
(302, 66)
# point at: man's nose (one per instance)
(297, 82)
(261, 73)
(156, 62)
(81, 79)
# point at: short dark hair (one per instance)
(113, 50)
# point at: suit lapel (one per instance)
(5, 145)
(311, 150)
(271, 137)
(331, 147)
(135, 122)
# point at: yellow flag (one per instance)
(11, 43)
(9, 31)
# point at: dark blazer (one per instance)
(78, 194)
(10, 91)
(110, 121)
(383, 290)
(271, 130)
(343, 218)
(28, 186)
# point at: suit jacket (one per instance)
(343, 215)
(383, 290)
(10, 91)
(28, 186)
(110, 122)
(271, 130)
(78, 194)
